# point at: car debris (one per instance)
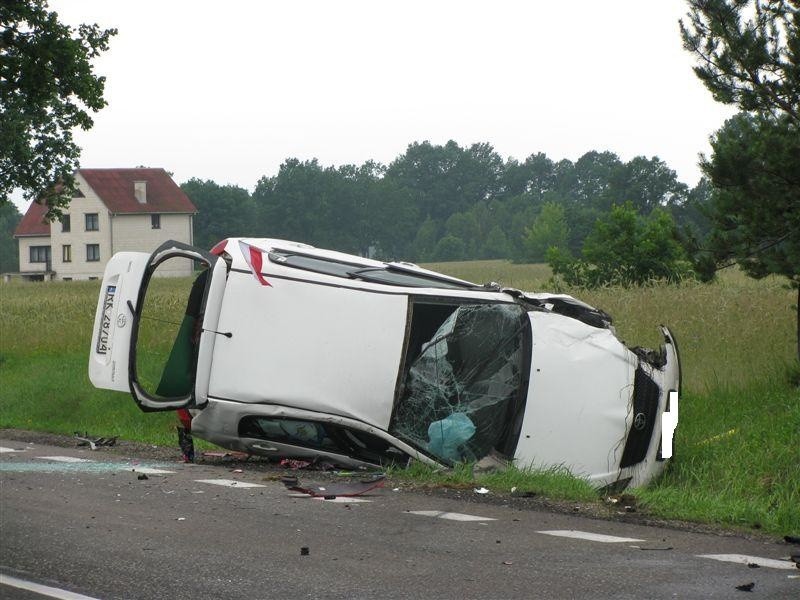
(331, 491)
(283, 350)
(792, 539)
(94, 443)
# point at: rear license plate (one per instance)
(104, 334)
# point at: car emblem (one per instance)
(639, 421)
(121, 320)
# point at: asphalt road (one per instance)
(95, 529)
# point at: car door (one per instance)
(173, 327)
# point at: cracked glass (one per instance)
(463, 392)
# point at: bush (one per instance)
(626, 249)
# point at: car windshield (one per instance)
(463, 390)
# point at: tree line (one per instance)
(448, 202)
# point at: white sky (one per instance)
(227, 90)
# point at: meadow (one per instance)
(737, 444)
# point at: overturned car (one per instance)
(282, 349)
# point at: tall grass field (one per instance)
(737, 459)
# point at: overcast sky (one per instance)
(227, 90)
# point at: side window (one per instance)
(323, 437)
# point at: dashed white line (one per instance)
(751, 560)
(450, 516)
(592, 537)
(151, 471)
(4, 450)
(44, 590)
(230, 483)
(65, 459)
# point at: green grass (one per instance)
(737, 457)
(556, 483)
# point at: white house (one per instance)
(113, 210)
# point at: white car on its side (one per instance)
(282, 349)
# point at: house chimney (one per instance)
(140, 191)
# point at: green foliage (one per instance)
(748, 53)
(755, 167)
(550, 230)
(449, 248)
(47, 85)
(625, 249)
(222, 211)
(9, 250)
(496, 245)
(749, 56)
(435, 202)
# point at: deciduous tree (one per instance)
(47, 89)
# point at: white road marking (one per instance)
(151, 471)
(3, 450)
(44, 590)
(592, 537)
(65, 459)
(747, 560)
(450, 516)
(230, 483)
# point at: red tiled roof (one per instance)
(115, 189)
(32, 222)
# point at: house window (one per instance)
(155, 221)
(66, 253)
(92, 252)
(65, 223)
(92, 222)
(66, 279)
(40, 254)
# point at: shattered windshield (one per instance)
(463, 391)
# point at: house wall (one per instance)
(25, 243)
(78, 237)
(134, 233)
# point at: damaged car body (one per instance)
(281, 349)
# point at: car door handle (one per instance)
(265, 448)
